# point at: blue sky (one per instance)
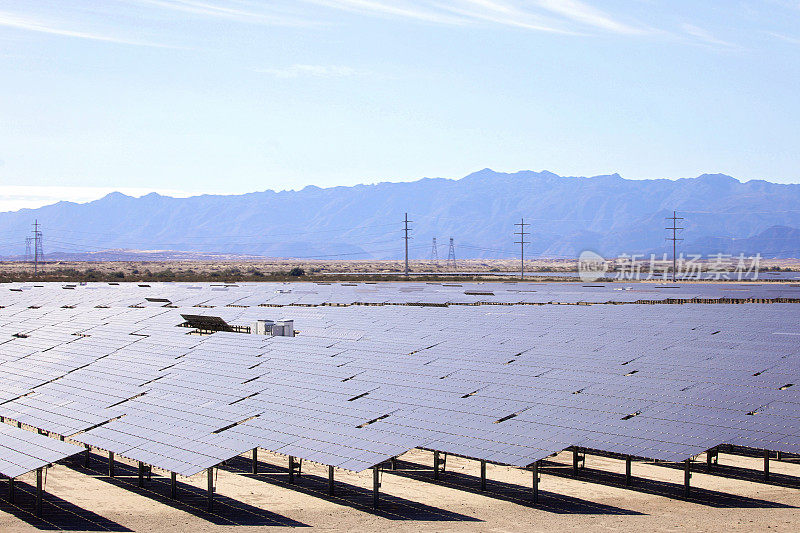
(228, 96)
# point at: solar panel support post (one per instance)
(766, 465)
(173, 486)
(141, 474)
(577, 457)
(536, 482)
(687, 475)
(628, 471)
(330, 480)
(87, 457)
(778, 456)
(393, 462)
(435, 465)
(291, 469)
(376, 485)
(255, 461)
(210, 476)
(711, 455)
(39, 491)
(110, 464)
(11, 489)
(483, 475)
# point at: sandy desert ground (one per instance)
(735, 498)
(235, 269)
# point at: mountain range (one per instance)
(606, 214)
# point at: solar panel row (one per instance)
(359, 385)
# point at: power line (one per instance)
(37, 247)
(405, 238)
(674, 218)
(522, 242)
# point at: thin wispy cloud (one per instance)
(229, 11)
(506, 15)
(316, 71)
(10, 20)
(398, 8)
(590, 16)
(785, 38)
(554, 16)
(705, 37)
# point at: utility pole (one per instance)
(434, 252)
(522, 242)
(28, 253)
(674, 218)
(451, 255)
(37, 247)
(406, 237)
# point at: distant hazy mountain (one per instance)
(608, 214)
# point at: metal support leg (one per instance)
(39, 491)
(779, 456)
(87, 457)
(173, 488)
(687, 475)
(210, 474)
(330, 480)
(766, 465)
(536, 482)
(628, 471)
(483, 475)
(110, 464)
(141, 474)
(376, 485)
(255, 460)
(394, 463)
(11, 489)
(709, 459)
(435, 465)
(291, 469)
(575, 460)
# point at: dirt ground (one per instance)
(734, 498)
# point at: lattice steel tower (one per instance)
(37, 247)
(451, 255)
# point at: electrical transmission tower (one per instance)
(28, 253)
(451, 255)
(434, 252)
(522, 242)
(405, 238)
(37, 247)
(674, 218)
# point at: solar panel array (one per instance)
(508, 384)
(157, 295)
(22, 451)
